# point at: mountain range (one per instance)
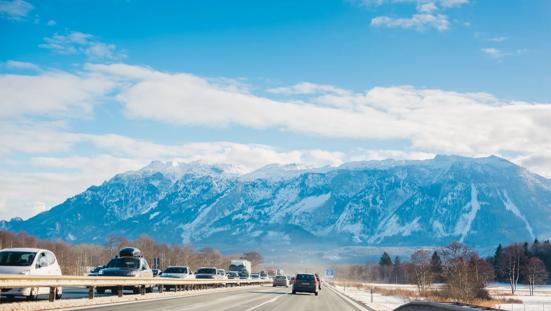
(478, 201)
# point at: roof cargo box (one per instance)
(130, 252)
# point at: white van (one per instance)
(28, 261)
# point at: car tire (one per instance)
(149, 289)
(294, 292)
(316, 293)
(100, 291)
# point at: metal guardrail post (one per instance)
(91, 291)
(161, 288)
(119, 291)
(142, 290)
(53, 290)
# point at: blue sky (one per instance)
(92, 88)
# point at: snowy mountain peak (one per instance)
(481, 201)
(277, 171)
(178, 169)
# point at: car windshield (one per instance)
(130, 263)
(280, 277)
(237, 267)
(176, 270)
(206, 271)
(305, 277)
(16, 258)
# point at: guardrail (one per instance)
(118, 283)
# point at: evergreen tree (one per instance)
(436, 266)
(496, 261)
(385, 260)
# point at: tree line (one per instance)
(77, 259)
(460, 269)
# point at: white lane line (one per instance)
(265, 302)
(348, 299)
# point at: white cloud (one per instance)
(35, 137)
(453, 3)
(76, 42)
(53, 92)
(14, 64)
(429, 14)
(493, 53)
(498, 39)
(15, 10)
(307, 88)
(51, 23)
(417, 21)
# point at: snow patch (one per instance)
(463, 225)
(510, 206)
(393, 227)
(153, 215)
(438, 229)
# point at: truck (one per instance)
(241, 266)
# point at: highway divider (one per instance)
(118, 283)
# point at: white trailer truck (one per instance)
(242, 267)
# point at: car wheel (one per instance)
(100, 291)
(149, 289)
(316, 293)
(136, 290)
(294, 292)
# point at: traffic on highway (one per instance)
(130, 264)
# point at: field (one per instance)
(390, 296)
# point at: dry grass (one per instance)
(432, 295)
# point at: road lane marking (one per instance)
(348, 299)
(264, 303)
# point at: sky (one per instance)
(89, 89)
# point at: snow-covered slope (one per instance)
(482, 202)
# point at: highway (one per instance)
(248, 299)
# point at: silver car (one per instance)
(281, 280)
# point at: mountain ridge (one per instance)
(480, 201)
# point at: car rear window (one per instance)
(206, 271)
(305, 277)
(176, 270)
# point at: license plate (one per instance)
(306, 284)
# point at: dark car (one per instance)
(130, 264)
(305, 283)
(95, 271)
(232, 275)
(207, 273)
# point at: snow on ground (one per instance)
(541, 300)
(380, 302)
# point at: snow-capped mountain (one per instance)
(480, 201)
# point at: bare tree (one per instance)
(255, 258)
(535, 273)
(512, 259)
(422, 269)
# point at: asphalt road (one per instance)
(248, 299)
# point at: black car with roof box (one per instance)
(129, 263)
